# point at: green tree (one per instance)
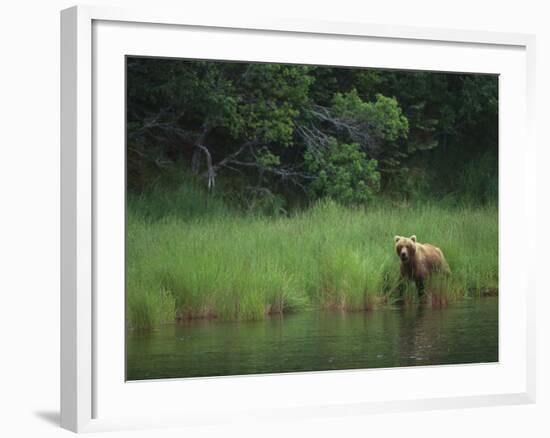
(343, 173)
(269, 128)
(255, 119)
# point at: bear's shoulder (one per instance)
(427, 247)
(426, 252)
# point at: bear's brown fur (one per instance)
(419, 260)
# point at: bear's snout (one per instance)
(404, 256)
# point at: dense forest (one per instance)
(276, 136)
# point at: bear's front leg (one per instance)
(401, 287)
(419, 286)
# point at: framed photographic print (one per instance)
(261, 208)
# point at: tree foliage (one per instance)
(296, 132)
(343, 173)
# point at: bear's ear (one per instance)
(413, 238)
(396, 238)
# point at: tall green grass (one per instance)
(190, 256)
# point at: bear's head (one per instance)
(405, 247)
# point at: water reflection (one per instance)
(402, 336)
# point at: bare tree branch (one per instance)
(211, 173)
(316, 138)
(198, 147)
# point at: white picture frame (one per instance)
(93, 397)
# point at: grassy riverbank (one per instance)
(190, 256)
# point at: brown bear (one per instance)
(419, 260)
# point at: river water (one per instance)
(465, 332)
